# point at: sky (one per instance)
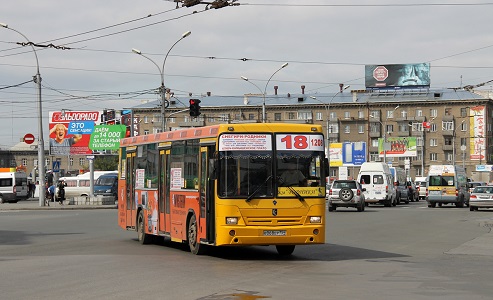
(92, 66)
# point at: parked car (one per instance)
(346, 193)
(481, 197)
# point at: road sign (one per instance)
(380, 73)
(29, 138)
(56, 166)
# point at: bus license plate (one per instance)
(274, 232)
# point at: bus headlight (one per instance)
(231, 220)
(315, 219)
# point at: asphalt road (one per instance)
(404, 252)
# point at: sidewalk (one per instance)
(33, 204)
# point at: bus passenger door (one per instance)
(130, 184)
(207, 192)
(163, 202)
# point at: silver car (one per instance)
(481, 197)
(346, 193)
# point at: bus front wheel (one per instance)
(193, 239)
(285, 249)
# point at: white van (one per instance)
(13, 187)
(80, 185)
(377, 179)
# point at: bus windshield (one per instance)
(243, 172)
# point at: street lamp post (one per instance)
(327, 108)
(41, 148)
(453, 142)
(264, 118)
(384, 125)
(162, 89)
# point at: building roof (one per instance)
(358, 96)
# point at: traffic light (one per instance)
(194, 107)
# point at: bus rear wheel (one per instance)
(193, 242)
(285, 250)
(144, 238)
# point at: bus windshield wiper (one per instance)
(250, 197)
(292, 190)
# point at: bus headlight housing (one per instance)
(316, 219)
(231, 220)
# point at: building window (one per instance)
(361, 114)
(251, 116)
(24, 161)
(333, 115)
(419, 112)
(224, 117)
(433, 127)
(374, 156)
(404, 128)
(447, 141)
(211, 119)
(319, 116)
(347, 115)
(419, 141)
(156, 118)
(291, 116)
(277, 116)
(463, 141)
(146, 132)
(390, 114)
(171, 120)
(81, 161)
(374, 142)
(449, 156)
(47, 162)
(71, 161)
(35, 162)
(433, 142)
(448, 111)
(389, 128)
(361, 128)
(347, 129)
(463, 112)
(146, 119)
(375, 127)
(305, 115)
(155, 130)
(463, 127)
(433, 156)
(375, 114)
(333, 128)
(404, 114)
(447, 125)
(433, 113)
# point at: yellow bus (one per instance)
(226, 185)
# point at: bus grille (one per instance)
(273, 221)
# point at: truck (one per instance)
(447, 184)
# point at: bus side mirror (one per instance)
(326, 168)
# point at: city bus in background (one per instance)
(225, 185)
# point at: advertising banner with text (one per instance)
(70, 131)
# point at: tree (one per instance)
(106, 162)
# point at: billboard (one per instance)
(398, 147)
(397, 75)
(347, 154)
(477, 143)
(70, 131)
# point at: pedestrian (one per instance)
(61, 192)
